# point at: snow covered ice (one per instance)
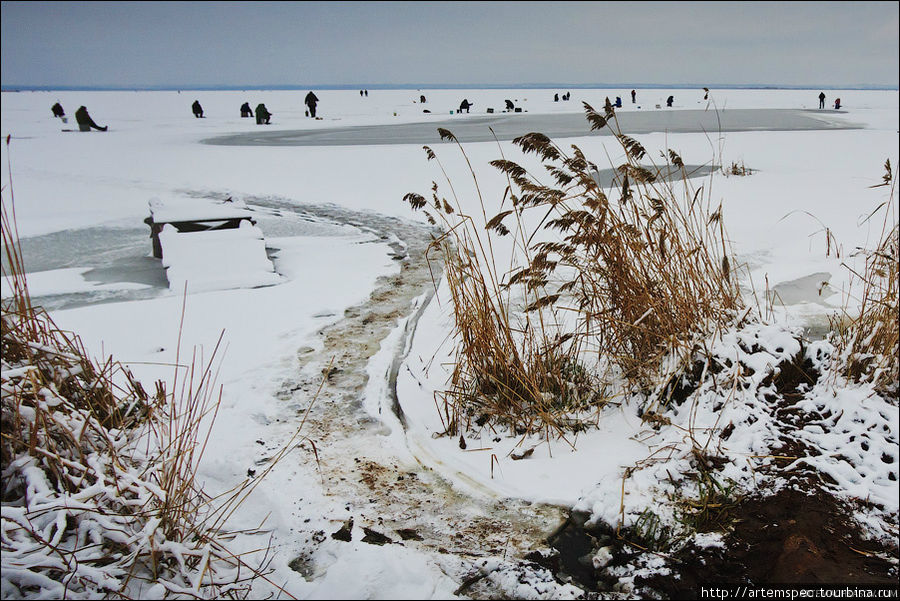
(336, 232)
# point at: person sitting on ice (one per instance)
(246, 111)
(422, 98)
(465, 105)
(618, 102)
(670, 100)
(58, 110)
(85, 123)
(509, 105)
(262, 114)
(837, 104)
(198, 110)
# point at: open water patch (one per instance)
(117, 265)
(488, 128)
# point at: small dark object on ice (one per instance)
(375, 538)
(345, 533)
(251, 472)
(409, 534)
(462, 442)
(523, 455)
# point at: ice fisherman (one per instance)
(246, 111)
(633, 96)
(821, 100)
(422, 98)
(58, 110)
(310, 102)
(85, 123)
(509, 105)
(556, 97)
(198, 110)
(618, 102)
(670, 100)
(262, 114)
(837, 104)
(465, 105)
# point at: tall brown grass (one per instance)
(868, 343)
(644, 267)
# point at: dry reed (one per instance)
(647, 274)
(868, 343)
(98, 489)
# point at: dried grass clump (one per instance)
(647, 274)
(868, 345)
(738, 169)
(511, 370)
(98, 490)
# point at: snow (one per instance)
(192, 209)
(216, 259)
(794, 223)
(366, 572)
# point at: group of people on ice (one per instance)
(82, 117)
(263, 115)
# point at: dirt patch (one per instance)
(803, 534)
(786, 538)
(390, 500)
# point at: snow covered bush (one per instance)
(98, 491)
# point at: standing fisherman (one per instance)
(311, 101)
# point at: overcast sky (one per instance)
(365, 43)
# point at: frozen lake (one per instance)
(507, 126)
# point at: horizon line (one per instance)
(439, 86)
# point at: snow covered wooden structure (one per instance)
(211, 245)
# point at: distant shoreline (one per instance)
(434, 86)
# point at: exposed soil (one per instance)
(800, 535)
(787, 538)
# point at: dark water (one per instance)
(484, 128)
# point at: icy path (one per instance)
(364, 464)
